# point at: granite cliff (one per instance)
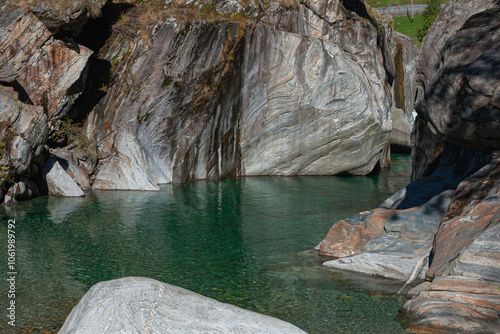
(443, 227)
(153, 93)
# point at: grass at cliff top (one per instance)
(387, 3)
(405, 26)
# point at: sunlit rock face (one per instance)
(307, 108)
(299, 88)
(208, 101)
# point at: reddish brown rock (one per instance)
(347, 237)
(456, 303)
(50, 73)
(46, 68)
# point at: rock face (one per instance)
(307, 108)
(456, 303)
(141, 305)
(290, 89)
(41, 77)
(437, 126)
(456, 160)
(308, 98)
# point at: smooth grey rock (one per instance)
(304, 102)
(59, 183)
(401, 131)
(141, 305)
(390, 265)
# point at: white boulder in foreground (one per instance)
(143, 305)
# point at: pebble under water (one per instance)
(245, 242)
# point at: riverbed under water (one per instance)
(245, 242)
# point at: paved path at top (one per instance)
(396, 11)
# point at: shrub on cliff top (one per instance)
(429, 15)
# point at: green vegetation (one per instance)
(417, 29)
(429, 16)
(167, 81)
(405, 26)
(75, 136)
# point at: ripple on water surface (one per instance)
(239, 241)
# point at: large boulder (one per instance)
(307, 108)
(205, 101)
(142, 305)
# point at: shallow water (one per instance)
(242, 242)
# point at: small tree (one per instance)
(429, 15)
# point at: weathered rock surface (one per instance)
(23, 190)
(76, 164)
(392, 265)
(307, 108)
(140, 305)
(401, 131)
(23, 134)
(47, 68)
(300, 102)
(475, 209)
(457, 304)
(59, 183)
(69, 18)
(448, 112)
(462, 101)
(47, 75)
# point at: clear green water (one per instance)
(242, 242)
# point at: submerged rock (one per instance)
(142, 305)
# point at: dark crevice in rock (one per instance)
(21, 92)
(94, 36)
(356, 6)
(97, 30)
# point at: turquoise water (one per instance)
(245, 242)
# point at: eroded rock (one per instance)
(23, 135)
(139, 305)
(456, 303)
(301, 102)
